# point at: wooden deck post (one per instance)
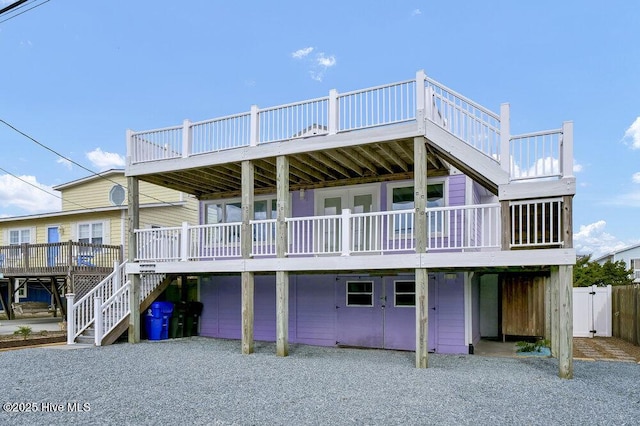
(134, 223)
(505, 230)
(553, 305)
(282, 277)
(565, 334)
(246, 243)
(422, 276)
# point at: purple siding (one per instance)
(457, 190)
(315, 320)
(451, 315)
(314, 313)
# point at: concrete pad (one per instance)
(37, 325)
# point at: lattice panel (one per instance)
(82, 284)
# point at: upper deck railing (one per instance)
(531, 156)
(58, 258)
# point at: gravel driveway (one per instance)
(207, 381)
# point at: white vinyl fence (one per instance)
(592, 311)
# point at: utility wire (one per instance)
(43, 190)
(24, 11)
(83, 167)
(12, 6)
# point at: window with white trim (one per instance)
(18, 237)
(359, 293)
(230, 211)
(404, 293)
(401, 197)
(91, 233)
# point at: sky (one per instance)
(75, 75)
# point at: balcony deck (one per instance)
(358, 137)
(346, 138)
(57, 259)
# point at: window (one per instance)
(402, 198)
(404, 293)
(359, 293)
(116, 195)
(90, 233)
(231, 212)
(18, 237)
(22, 291)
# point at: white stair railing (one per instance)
(106, 305)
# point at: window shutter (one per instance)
(32, 235)
(73, 228)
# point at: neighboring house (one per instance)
(397, 217)
(44, 256)
(629, 255)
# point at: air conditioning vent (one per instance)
(117, 195)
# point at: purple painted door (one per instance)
(377, 313)
(360, 312)
(400, 314)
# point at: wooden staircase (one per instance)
(109, 302)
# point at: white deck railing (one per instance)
(377, 106)
(536, 155)
(296, 120)
(233, 131)
(472, 123)
(531, 156)
(475, 227)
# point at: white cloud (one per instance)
(105, 160)
(636, 177)
(318, 64)
(577, 168)
(27, 194)
(302, 53)
(325, 61)
(416, 12)
(632, 135)
(593, 239)
(66, 163)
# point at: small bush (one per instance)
(532, 347)
(24, 331)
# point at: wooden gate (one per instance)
(522, 305)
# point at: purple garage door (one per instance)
(380, 313)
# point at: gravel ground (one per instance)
(207, 381)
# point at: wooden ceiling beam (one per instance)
(342, 159)
(360, 160)
(389, 152)
(368, 152)
(332, 164)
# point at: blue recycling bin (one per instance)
(157, 320)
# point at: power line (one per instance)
(43, 190)
(15, 129)
(24, 11)
(12, 6)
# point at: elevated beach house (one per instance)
(403, 216)
(45, 256)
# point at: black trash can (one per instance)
(194, 311)
(177, 328)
